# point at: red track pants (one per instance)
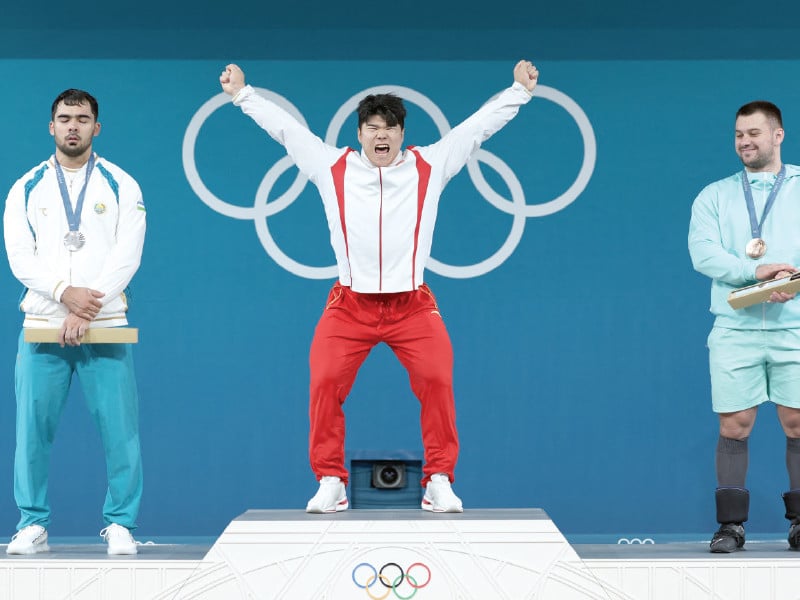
(351, 325)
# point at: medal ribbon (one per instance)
(755, 225)
(73, 217)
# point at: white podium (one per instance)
(514, 554)
(508, 554)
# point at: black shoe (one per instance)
(729, 538)
(794, 536)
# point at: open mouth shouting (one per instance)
(382, 154)
(380, 142)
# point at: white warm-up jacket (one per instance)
(381, 219)
(35, 222)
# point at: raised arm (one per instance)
(455, 148)
(311, 155)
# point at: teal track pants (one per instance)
(43, 377)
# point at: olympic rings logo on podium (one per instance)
(366, 576)
(517, 206)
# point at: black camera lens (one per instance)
(389, 475)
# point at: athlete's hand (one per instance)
(72, 330)
(232, 79)
(776, 271)
(780, 297)
(773, 271)
(526, 74)
(82, 301)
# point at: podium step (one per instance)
(500, 554)
(508, 554)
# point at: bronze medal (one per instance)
(756, 248)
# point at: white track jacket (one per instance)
(113, 222)
(381, 219)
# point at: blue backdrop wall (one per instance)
(560, 266)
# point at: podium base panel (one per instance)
(496, 554)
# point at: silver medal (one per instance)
(74, 241)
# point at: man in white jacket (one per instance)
(381, 208)
(74, 228)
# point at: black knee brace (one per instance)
(733, 505)
(792, 502)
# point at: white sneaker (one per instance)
(119, 539)
(29, 540)
(439, 496)
(331, 497)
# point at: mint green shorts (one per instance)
(751, 366)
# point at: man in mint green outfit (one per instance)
(74, 228)
(744, 229)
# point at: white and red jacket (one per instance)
(381, 219)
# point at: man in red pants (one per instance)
(381, 208)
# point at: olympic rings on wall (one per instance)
(516, 206)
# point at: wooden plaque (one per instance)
(93, 335)
(761, 291)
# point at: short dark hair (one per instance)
(768, 109)
(73, 97)
(388, 106)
